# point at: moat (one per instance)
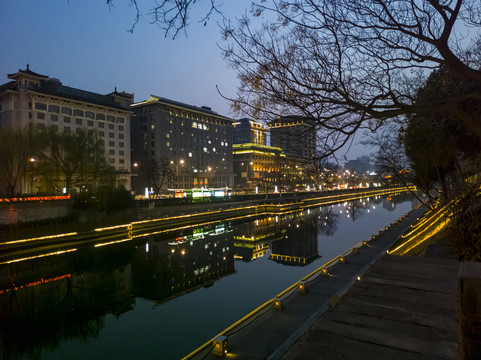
(166, 295)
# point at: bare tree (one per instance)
(154, 173)
(352, 64)
(70, 159)
(16, 149)
(172, 16)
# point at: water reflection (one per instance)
(48, 302)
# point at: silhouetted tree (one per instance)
(352, 64)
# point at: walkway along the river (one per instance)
(274, 328)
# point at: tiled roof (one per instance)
(8, 86)
(55, 89)
(27, 72)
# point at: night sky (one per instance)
(86, 45)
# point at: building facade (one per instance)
(194, 142)
(296, 137)
(249, 132)
(257, 166)
(39, 102)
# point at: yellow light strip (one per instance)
(38, 238)
(38, 256)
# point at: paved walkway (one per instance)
(427, 290)
(404, 308)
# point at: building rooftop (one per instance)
(202, 109)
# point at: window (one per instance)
(78, 130)
(78, 121)
(111, 135)
(40, 106)
(120, 120)
(111, 143)
(54, 127)
(66, 129)
(78, 112)
(111, 152)
(112, 160)
(121, 136)
(121, 144)
(121, 152)
(101, 125)
(121, 128)
(100, 117)
(89, 114)
(53, 117)
(111, 126)
(110, 118)
(90, 123)
(41, 116)
(66, 119)
(53, 108)
(40, 126)
(121, 161)
(66, 111)
(101, 133)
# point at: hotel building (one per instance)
(195, 141)
(39, 102)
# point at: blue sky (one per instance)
(86, 45)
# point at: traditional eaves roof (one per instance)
(54, 89)
(8, 86)
(27, 72)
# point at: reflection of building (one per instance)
(249, 132)
(165, 268)
(299, 245)
(256, 165)
(51, 299)
(251, 239)
(40, 102)
(196, 141)
(295, 135)
(388, 204)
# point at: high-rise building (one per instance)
(39, 102)
(296, 136)
(195, 142)
(249, 132)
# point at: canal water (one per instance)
(162, 297)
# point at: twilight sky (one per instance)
(85, 44)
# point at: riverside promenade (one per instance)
(369, 305)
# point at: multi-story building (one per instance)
(257, 166)
(296, 136)
(249, 132)
(39, 102)
(195, 142)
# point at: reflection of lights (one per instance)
(38, 256)
(183, 252)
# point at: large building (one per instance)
(296, 137)
(257, 166)
(195, 143)
(39, 102)
(249, 132)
